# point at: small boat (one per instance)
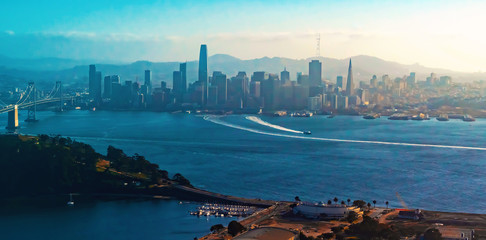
(443, 117)
(372, 116)
(330, 116)
(468, 118)
(71, 201)
(307, 132)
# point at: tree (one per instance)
(369, 205)
(352, 216)
(359, 203)
(297, 199)
(432, 234)
(329, 202)
(386, 204)
(342, 203)
(335, 199)
(349, 200)
(374, 203)
(337, 229)
(235, 227)
(216, 228)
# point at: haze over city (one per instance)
(443, 34)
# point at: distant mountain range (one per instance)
(75, 72)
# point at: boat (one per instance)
(399, 116)
(71, 201)
(307, 132)
(443, 117)
(421, 117)
(330, 116)
(468, 118)
(372, 116)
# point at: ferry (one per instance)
(71, 201)
(421, 117)
(399, 116)
(307, 132)
(468, 118)
(372, 116)
(443, 117)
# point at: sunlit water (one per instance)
(268, 157)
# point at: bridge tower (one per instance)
(59, 90)
(13, 119)
(32, 110)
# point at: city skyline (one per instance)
(436, 34)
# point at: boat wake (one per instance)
(261, 122)
(217, 120)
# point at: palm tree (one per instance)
(342, 203)
(349, 200)
(374, 203)
(386, 204)
(336, 199)
(329, 202)
(369, 205)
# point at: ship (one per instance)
(399, 116)
(372, 116)
(468, 118)
(307, 132)
(443, 117)
(421, 117)
(301, 114)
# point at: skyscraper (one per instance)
(148, 81)
(183, 70)
(284, 76)
(315, 73)
(92, 81)
(339, 81)
(97, 88)
(177, 85)
(349, 82)
(107, 89)
(203, 72)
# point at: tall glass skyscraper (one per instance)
(315, 73)
(349, 82)
(203, 72)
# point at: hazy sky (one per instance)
(447, 34)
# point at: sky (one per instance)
(444, 34)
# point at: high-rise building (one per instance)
(349, 82)
(183, 70)
(255, 89)
(148, 81)
(315, 73)
(303, 80)
(339, 81)
(284, 76)
(203, 72)
(97, 88)
(92, 81)
(259, 76)
(177, 85)
(107, 85)
(219, 79)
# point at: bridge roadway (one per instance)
(29, 104)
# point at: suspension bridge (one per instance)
(29, 100)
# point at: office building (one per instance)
(315, 73)
(284, 76)
(339, 81)
(349, 82)
(203, 73)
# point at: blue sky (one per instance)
(433, 33)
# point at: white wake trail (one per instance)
(260, 121)
(217, 120)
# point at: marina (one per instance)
(224, 210)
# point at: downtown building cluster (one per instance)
(260, 91)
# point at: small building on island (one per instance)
(325, 211)
(410, 214)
